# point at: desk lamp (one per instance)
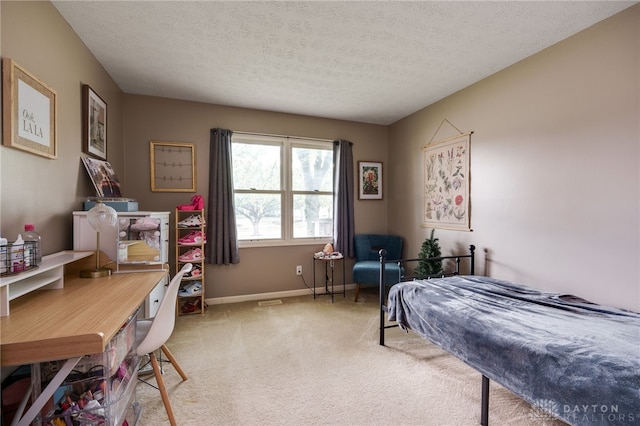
(102, 218)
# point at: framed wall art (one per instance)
(94, 123)
(446, 184)
(29, 111)
(103, 177)
(173, 167)
(370, 180)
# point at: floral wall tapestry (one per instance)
(446, 184)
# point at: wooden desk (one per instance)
(67, 323)
(76, 320)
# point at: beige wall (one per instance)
(554, 166)
(261, 270)
(36, 189)
(555, 181)
(45, 192)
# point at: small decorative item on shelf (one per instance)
(191, 239)
(31, 235)
(328, 249)
(18, 256)
(101, 218)
(328, 253)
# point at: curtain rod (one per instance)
(281, 136)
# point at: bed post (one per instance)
(472, 267)
(484, 409)
(383, 254)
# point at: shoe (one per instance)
(191, 289)
(195, 272)
(197, 202)
(192, 221)
(191, 306)
(193, 255)
(185, 207)
(193, 238)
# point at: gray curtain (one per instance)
(343, 187)
(222, 238)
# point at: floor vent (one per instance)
(270, 302)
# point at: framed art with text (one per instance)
(370, 180)
(29, 111)
(94, 123)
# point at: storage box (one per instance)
(100, 390)
(119, 206)
(17, 258)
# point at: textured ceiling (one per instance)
(373, 62)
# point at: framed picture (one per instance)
(370, 180)
(103, 177)
(447, 184)
(94, 123)
(29, 111)
(173, 167)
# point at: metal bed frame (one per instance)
(484, 409)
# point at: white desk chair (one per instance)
(152, 334)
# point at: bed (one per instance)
(567, 357)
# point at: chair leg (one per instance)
(173, 361)
(162, 388)
(357, 291)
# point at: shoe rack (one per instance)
(190, 248)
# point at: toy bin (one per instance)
(100, 390)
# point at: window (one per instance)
(283, 189)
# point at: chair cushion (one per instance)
(368, 272)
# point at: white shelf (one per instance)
(49, 274)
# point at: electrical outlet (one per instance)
(299, 270)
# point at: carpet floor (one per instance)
(300, 361)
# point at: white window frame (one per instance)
(287, 194)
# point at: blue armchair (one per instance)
(366, 269)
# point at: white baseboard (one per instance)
(273, 295)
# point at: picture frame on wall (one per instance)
(447, 184)
(370, 180)
(29, 111)
(94, 123)
(173, 167)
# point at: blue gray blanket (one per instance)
(576, 360)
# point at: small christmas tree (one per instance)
(430, 248)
